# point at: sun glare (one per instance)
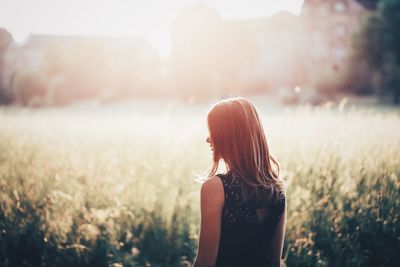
(149, 19)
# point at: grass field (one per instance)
(106, 187)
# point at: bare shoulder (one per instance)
(211, 184)
(213, 188)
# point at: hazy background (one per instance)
(56, 52)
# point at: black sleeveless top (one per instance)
(244, 240)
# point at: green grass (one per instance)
(112, 188)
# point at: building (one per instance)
(85, 65)
(283, 50)
(330, 26)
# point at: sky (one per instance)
(151, 19)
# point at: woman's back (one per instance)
(242, 213)
(246, 229)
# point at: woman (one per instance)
(242, 211)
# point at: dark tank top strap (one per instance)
(225, 185)
(223, 179)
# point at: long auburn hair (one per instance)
(238, 138)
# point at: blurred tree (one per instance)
(209, 56)
(29, 87)
(6, 40)
(379, 44)
(369, 4)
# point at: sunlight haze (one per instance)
(127, 18)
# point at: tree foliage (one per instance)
(6, 40)
(369, 4)
(380, 46)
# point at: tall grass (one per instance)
(107, 188)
